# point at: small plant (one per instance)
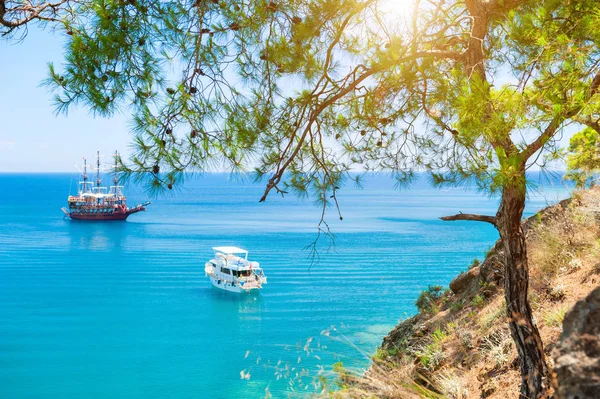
(554, 318)
(456, 306)
(556, 292)
(452, 386)
(486, 321)
(343, 375)
(465, 338)
(380, 354)
(475, 263)
(432, 355)
(496, 347)
(538, 217)
(451, 327)
(438, 336)
(427, 301)
(574, 265)
(338, 367)
(478, 301)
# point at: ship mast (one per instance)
(98, 180)
(116, 177)
(85, 177)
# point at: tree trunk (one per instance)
(516, 284)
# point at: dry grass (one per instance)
(556, 245)
(497, 346)
(451, 385)
(466, 351)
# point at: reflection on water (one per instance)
(105, 235)
(248, 303)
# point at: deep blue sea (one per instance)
(123, 309)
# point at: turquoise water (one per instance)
(123, 309)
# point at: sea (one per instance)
(124, 309)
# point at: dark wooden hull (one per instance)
(103, 216)
(98, 216)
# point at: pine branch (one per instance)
(341, 92)
(558, 120)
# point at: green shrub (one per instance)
(438, 336)
(555, 318)
(338, 367)
(432, 355)
(478, 301)
(475, 263)
(380, 354)
(427, 301)
(456, 306)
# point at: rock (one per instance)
(404, 331)
(464, 280)
(577, 355)
(492, 269)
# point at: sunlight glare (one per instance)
(397, 8)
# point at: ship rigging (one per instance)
(97, 202)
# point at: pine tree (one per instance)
(304, 91)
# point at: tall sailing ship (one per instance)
(95, 202)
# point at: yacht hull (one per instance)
(228, 286)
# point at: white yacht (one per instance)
(230, 270)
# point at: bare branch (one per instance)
(29, 12)
(471, 217)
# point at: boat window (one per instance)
(225, 270)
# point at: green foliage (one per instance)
(456, 306)
(583, 160)
(432, 355)
(478, 301)
(475, 263)
(379, 354)
(438, 335)
(427, 301)
(342, 374)
(554, 318)
(208, 84)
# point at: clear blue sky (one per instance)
(32, 137)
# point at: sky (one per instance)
(32, 137)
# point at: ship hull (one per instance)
(91, 216)
(102, 216)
